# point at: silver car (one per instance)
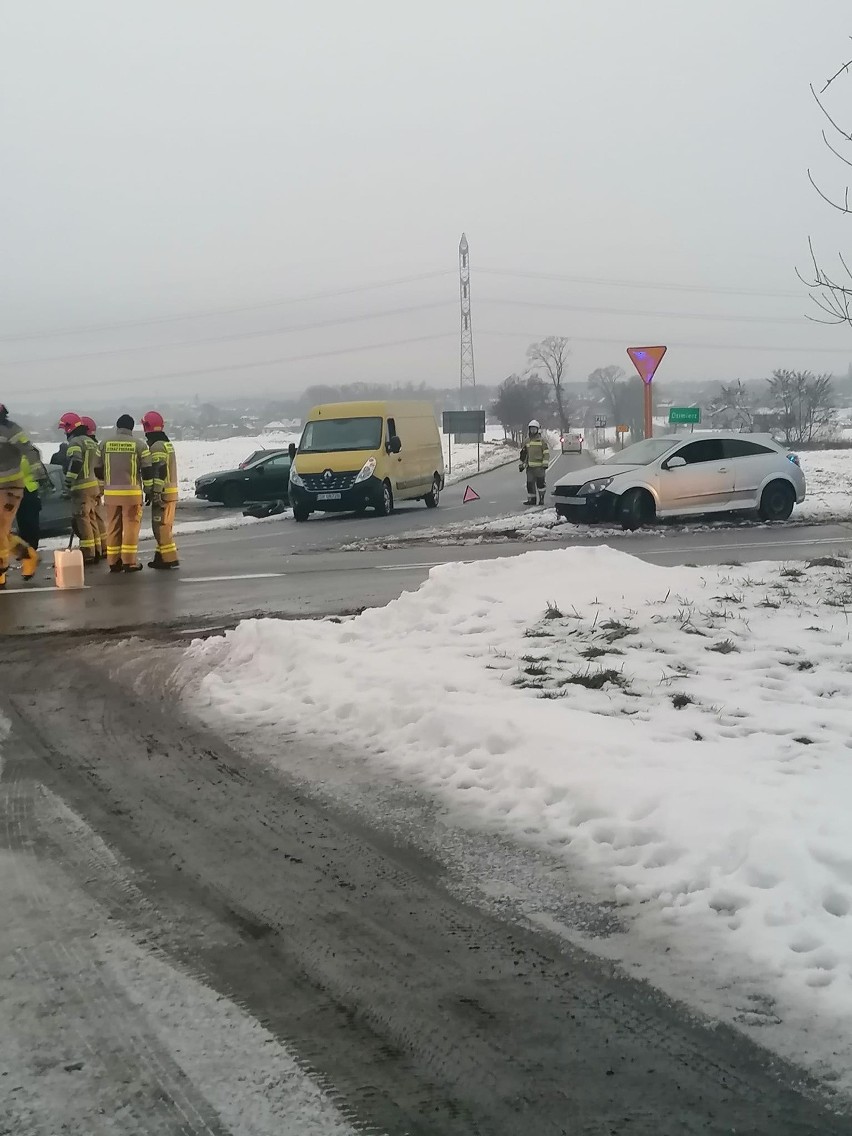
(684, 476)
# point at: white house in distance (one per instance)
(287, 426)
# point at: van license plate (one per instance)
(328, 496)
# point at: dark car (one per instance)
(265, 478)
(55, 516)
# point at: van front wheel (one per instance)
(433, 497)
(384, 505)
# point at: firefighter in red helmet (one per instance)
(164, 490)
(100, 519)
(81, 481)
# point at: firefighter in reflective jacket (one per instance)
(164, 490)
(100, 517)
(535, 458)
(81, 481)
(15, 448)
(126, 464)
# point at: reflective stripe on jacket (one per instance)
(30, 483)
(83, 458)
(126, 464)
(538, 454)
(164, 469)
(14, 447)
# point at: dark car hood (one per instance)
(220, 473)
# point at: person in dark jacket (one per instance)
(60, 458)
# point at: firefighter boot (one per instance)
(29, 564)
(132, 568)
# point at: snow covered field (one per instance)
(679, 737)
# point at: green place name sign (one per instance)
(684, 415)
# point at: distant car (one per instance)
(263, 478)
(256, 455)
(682, 476)
(571, 443)
(55, 515)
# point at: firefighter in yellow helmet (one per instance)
(535, 458)
(15, 449)
(164, 490)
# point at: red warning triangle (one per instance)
(646, 360)
(469, 495)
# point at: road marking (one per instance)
(223, 579)
(685, 550)
(406, 567)
(25, 591)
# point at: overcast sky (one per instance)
(174, 158)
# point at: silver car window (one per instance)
(704, 450)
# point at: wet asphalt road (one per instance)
(417, 1013)
(131, 839)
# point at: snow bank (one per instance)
(681, 736)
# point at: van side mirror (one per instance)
(291, 450)
(675, 463)
(394, 444)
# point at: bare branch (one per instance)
(839, 129)
(836, 75)
(840, 208)
(837, 154)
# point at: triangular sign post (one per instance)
(646, 360)
(470, 494)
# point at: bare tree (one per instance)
(804, 403)
(520, 400)
(551, 354)
(831, 289)
(733, 408)
(611, 386)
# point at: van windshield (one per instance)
(329, 435)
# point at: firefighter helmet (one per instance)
(90, 424)
(152, 421)
(70, 421)
(534, 425)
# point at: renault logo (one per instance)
(327, 475)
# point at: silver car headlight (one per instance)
(295, 479)
(595, 486)
(367, 470)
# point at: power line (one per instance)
(528, 335)
(533, 335)
(700, 316)
(313, 326)
(390, 312)
(640, 284)
(240, 366)
(58, 332)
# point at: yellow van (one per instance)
(355, 456)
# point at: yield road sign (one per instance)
(646, 360)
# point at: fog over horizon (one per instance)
(205, 199)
